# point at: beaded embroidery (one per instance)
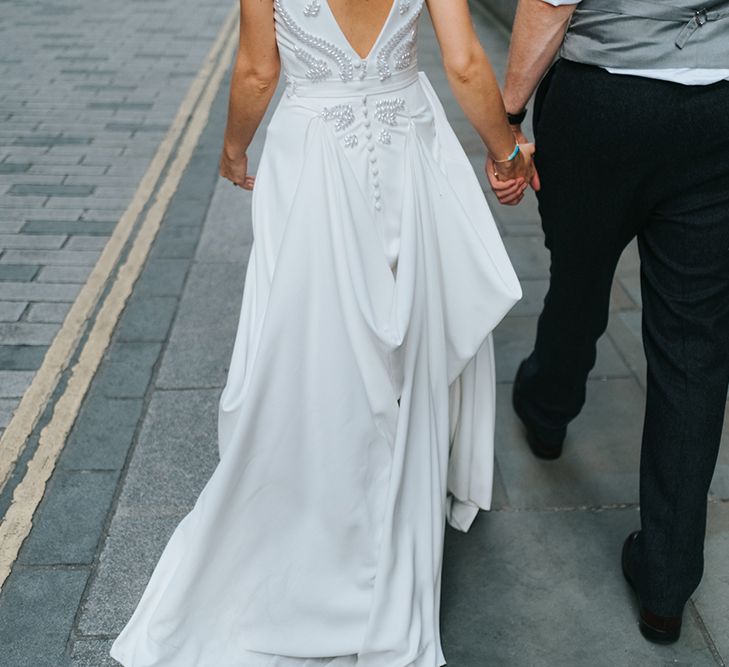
(341, 114)
(404, 6)
(385, 137)
(312, 9)
(403, 54)
(318, 68)
(344, 62)
(350, 140)
(383, 57)
(386, 110)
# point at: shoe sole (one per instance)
(657, 636)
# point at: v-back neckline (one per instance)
(378, 39)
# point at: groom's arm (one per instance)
(539, 28)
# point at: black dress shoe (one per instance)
(655, 628)
(545, 443)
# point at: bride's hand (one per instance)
(509, 180)
(235, 169)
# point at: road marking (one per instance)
(18, 520)
(66, 340)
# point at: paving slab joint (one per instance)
(710, 643)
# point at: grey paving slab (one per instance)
(58, 257)
(21, 357)
(32, 241)
(68, 227)
(9, 202)
(81, 242)
(528, 255)
(18, 272)
(631, 283)
(178, 241)
(37, 609)
(147, 318)
(174, 456)
(199, 180)
(92, 202)
(162, 277)
(92, 653)
(133, 547)
(633, 322)
(48, 312)
(69, 170)
(602, 452)
(227, 235)
(629, 264)
(514, 340)
(519, 229)
(14, 167)
(69, 523)
(7, 408)
(14, 383)
(622, 299)
(200, 345)
(711, 599)
(30, 189)
(102, 434)
(499, 497)
(10, 226)
(127, 369)
(545, 589)
(64, 274)
(66, 214)
(26, 333)
(10, 311)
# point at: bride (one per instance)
(358, 412)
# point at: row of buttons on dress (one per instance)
(386, 113)
(374, 169)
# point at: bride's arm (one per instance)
(474, 84)
(255, 74)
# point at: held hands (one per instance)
(235, 169)
(509, 180)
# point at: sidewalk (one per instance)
(87, 92)
(535, 583)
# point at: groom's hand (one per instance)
(521, 138)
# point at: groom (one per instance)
(632, 135)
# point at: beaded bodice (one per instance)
(314, 49)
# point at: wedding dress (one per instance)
(358, 412)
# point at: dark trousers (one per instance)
(619, 157)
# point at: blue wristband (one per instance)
(514, 153)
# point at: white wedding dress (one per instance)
(358, 413)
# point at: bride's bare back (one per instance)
(361, 21)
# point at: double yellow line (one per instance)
(176, 151)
